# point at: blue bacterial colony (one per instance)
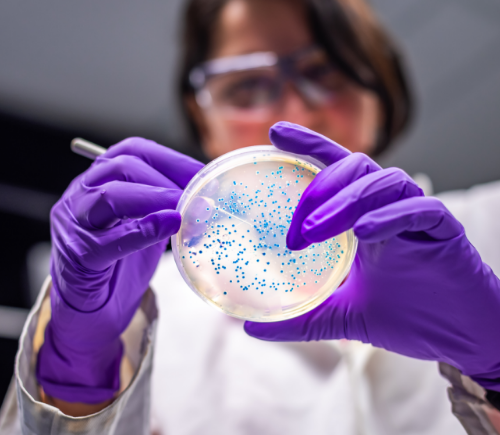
(233, 243)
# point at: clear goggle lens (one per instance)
(258, 89)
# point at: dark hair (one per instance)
(351, 35)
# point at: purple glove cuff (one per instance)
(78, 393)
(489, 384)
(91, 376)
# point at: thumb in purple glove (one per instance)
(417, 286)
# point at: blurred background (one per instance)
(106, 70)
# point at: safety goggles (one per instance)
(251, 86)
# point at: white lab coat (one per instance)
(209, 377)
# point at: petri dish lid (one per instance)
(231, 247)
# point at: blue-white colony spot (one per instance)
(232, 242)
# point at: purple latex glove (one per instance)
(417, 286)
(109, 230)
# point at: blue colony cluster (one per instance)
(241, 247)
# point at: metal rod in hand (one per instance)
(86, 148)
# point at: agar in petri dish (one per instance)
(231, 247)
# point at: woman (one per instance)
(417, 287)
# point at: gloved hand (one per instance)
(417, 286)
(109, 230)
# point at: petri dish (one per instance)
(231, 247)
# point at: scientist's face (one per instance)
(346, 113)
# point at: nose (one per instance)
(295, 108)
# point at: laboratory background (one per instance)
(107, 70)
